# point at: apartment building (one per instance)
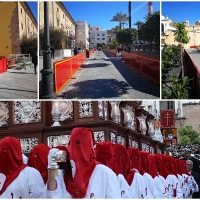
(59, 17)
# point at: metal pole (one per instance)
(129, 13)
(47, 72)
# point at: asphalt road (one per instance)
(107, 77)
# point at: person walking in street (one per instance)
(35, 62)
(52, 49)
(76, 52)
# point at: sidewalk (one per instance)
(19, 84)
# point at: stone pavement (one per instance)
(19, 84)
(195, 55)
(107, 77)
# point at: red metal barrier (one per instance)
(65, 69)
(3, 64)
(193, 72)
(147, 66)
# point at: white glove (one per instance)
(51, 154)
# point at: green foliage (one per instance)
(57, 36)
(99, 45)
(119, 17)
(177, 90)
(113, 44)
(138, 24)
(150, 30)
(185, 140)
(126, 36)
(29, 45)
(171, 56)
(190, 133)
(181, 34)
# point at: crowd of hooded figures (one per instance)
(102, 170)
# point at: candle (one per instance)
(56, 106)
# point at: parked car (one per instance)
(99, 48)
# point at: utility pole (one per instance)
(48, 91)
(129, 13)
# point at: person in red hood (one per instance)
(106, 155)
(17, 180)
(38, 160)
(139, 188)
(151, 176)
(88, 178)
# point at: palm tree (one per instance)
(119, 17)
(138, 24)
(115, 30)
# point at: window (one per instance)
(21, 10)
(57, 9)
(22, 26)
(62, 27)
(98, 34)
(103, 34)
(63, 16)
(98, 38)
(58, 22)
(103, 38)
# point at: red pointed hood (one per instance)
(11, 160)
(39, 160)
(145, 161)
(183, 167)
(135, 158)
(122, 162)
(82, 156)
(161, 168)
(152, 166)
(104, 154)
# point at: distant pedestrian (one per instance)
(52, 49)
(76, 50)
(35, 62)
(118, 51)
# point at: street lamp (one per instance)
(89, 35)
(48, 91)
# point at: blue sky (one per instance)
(181, 11)
(33, 7)
(100, 13)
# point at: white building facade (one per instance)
(97, 35)
(82, 34)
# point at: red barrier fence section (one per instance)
(147, 66)
(3, 64)
(65, 69)
(193, 71)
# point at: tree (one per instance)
(190, 133)
(28, 45)
(185, 140)
(57, 36)
(150, 30)
(181, 36)
(127, 36)
(138, 24)
(119, 17)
